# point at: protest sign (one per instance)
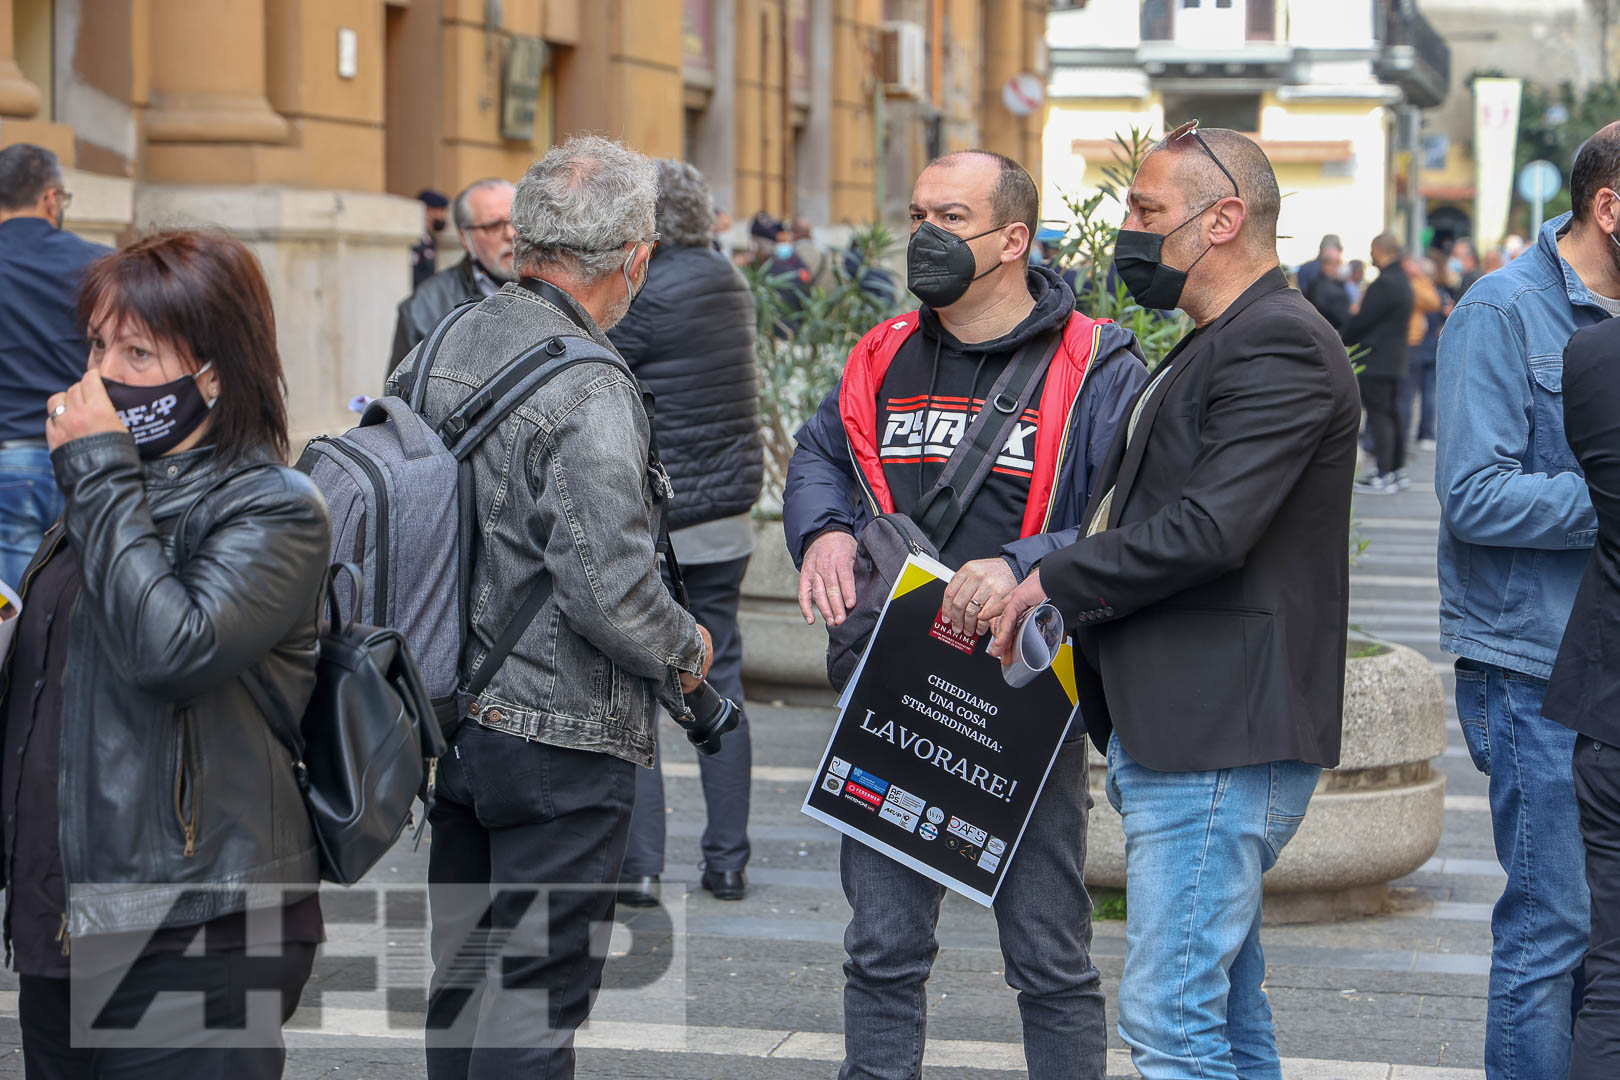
(937, 758)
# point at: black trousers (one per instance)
(1380, 396)
(1596, 1054)
(515, 969)
(49, 1052)
(715, 592)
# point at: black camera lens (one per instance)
(712, 717)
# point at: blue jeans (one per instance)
(1196, 844)
(30, 502)
(1043, 914)
(1540, 926)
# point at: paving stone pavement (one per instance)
(757, 984)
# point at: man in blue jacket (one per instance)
(40, 351)
(877, 443)
(1517, 529)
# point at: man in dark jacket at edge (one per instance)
(1380, 324)
(689, 338)
(1209, 599)
(900, 385)
(483, 217)
(1584, 691)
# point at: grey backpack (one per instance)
(400, 491)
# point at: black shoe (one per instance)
(726, 884)
(640, 892)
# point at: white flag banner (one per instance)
(1496, 137)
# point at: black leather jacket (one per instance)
(421, 311)
(170, 772)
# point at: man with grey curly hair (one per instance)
(579, 212)
(538, 785)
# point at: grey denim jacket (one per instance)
(565, 488)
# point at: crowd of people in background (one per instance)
(1393, 325)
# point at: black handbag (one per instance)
(370, 742)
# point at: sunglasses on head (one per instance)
(1191, 128)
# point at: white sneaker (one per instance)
(1402, 481)
(1428, 446)
(1376, 485)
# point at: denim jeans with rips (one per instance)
(1540, 926)
(1191, 1002)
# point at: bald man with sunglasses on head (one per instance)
(1208, 593)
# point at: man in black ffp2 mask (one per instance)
(1208, 597)
(910, 392)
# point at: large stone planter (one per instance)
(1375, 818)
(783, 658)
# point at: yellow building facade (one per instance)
(1317, 85)
(306, 126)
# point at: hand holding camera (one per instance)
(689, 683)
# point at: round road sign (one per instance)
(1539, 181)
(1023, 94)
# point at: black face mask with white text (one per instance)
(160, 417)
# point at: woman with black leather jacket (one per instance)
(148, 804)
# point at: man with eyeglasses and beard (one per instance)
(483, 216)
(876, 445)
(1209, 599)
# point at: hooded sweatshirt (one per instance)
(929, 396)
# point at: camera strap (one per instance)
(665, 546)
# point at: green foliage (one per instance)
(1108, 905)
(1088, 246)
(801, 353)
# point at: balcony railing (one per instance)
(1413, 56)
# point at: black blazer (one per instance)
(1212, 611)
(1382, 323)
(1584, 692)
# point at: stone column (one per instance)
(815, 159)
(208, 82)
(19, 98)
(714, 149)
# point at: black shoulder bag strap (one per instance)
(430, 351)
(941, 509)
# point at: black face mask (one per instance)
(1137, 258)
(940, 265)
(160, 417)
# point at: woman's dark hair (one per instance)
(204, 293)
